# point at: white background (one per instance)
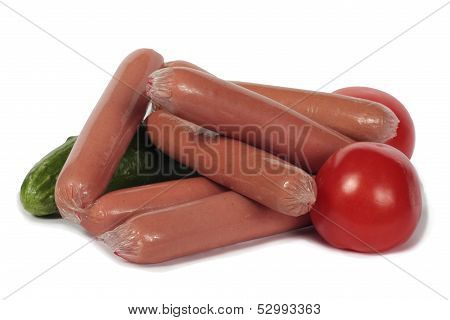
(47, 92)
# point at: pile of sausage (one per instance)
(215, 127)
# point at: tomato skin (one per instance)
(368, 198)
(405, 138)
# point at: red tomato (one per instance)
(405, 138)
(368, 198)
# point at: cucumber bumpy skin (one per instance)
(37, 192)
(140, 165)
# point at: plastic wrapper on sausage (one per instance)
(115, 207)
(359, 119)
(247, 170)
(244, 115)
(106, 135)
(213, 222)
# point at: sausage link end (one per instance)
(159, 85)
(391, 127)
(70, 200)
(123, 241)
(300, 197)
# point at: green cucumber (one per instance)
(141, 164)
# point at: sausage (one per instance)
(359, 119)
(247, 170)
(115, 207)
(245, 115)
(196, 226)
(106, 135)
(184, 64)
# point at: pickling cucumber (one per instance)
(142, 164)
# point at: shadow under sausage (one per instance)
(227, 250)
(199, 257)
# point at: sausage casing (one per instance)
(115, 207)
(196, 226)
(359, 119)
(244, 115)
(106, 135)
(247, 170)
